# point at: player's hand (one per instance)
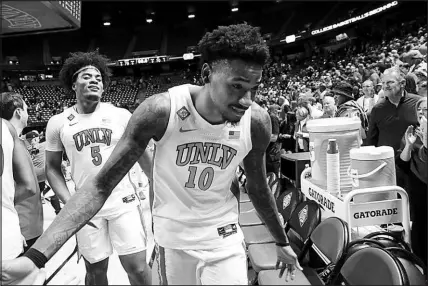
(20, 271)
(287, 262)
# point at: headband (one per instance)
(85, 68)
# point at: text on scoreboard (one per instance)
(139, 61)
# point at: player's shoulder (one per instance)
(159, 104)
(58, 120)
(111, 110)
(259, 116)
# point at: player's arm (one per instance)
(53, 160)
(255, 171)
(23, 171)
(148, 121)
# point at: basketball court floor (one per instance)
(116, 274)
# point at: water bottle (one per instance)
(333, 168)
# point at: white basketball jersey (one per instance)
(89, 140)
(12, 242)
(194, 164)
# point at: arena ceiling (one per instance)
(29, 17)
(20, 17)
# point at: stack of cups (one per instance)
(333, 168)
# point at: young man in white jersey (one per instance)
(201, 135)
(26, 202)
(18, 184)
(88, 132)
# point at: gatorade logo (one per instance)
(375, 213)
(323, 201)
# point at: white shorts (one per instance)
(124, 232)
(221, 266)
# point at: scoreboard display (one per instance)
(35, 17)
(139, 61)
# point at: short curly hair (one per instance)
(240, 41)
(80, 59)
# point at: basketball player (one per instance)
(201, 134)
(17, 175)
(28, 204)
(30, 210)
(88, 132)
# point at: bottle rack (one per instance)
(360, 214)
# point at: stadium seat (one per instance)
(303, 221)
(328, 243)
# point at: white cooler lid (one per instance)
(322, 125)
(372, 153)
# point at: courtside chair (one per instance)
(303, 221)
(286, 204)
(372, 266)
(414, 267)
(327, 243)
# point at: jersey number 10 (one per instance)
(205, 178)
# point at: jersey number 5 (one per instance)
(95, 153)
(205, 178)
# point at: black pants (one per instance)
(54, 200)
(418, 203)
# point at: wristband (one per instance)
(38, 258)
(282, 244)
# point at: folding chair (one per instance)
(414, 267)
(328, 243)
(388, 239)
(286, 204)
(372, 266)
(303, 221)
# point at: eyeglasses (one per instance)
(367, 86)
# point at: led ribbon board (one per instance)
(355, 19)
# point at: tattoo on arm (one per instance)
(149, 120)
(257, 186)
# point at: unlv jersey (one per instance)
(194, 164)
(89, 140)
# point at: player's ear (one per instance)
(206, 72)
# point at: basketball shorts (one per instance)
(124, 232)
(220, 266)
